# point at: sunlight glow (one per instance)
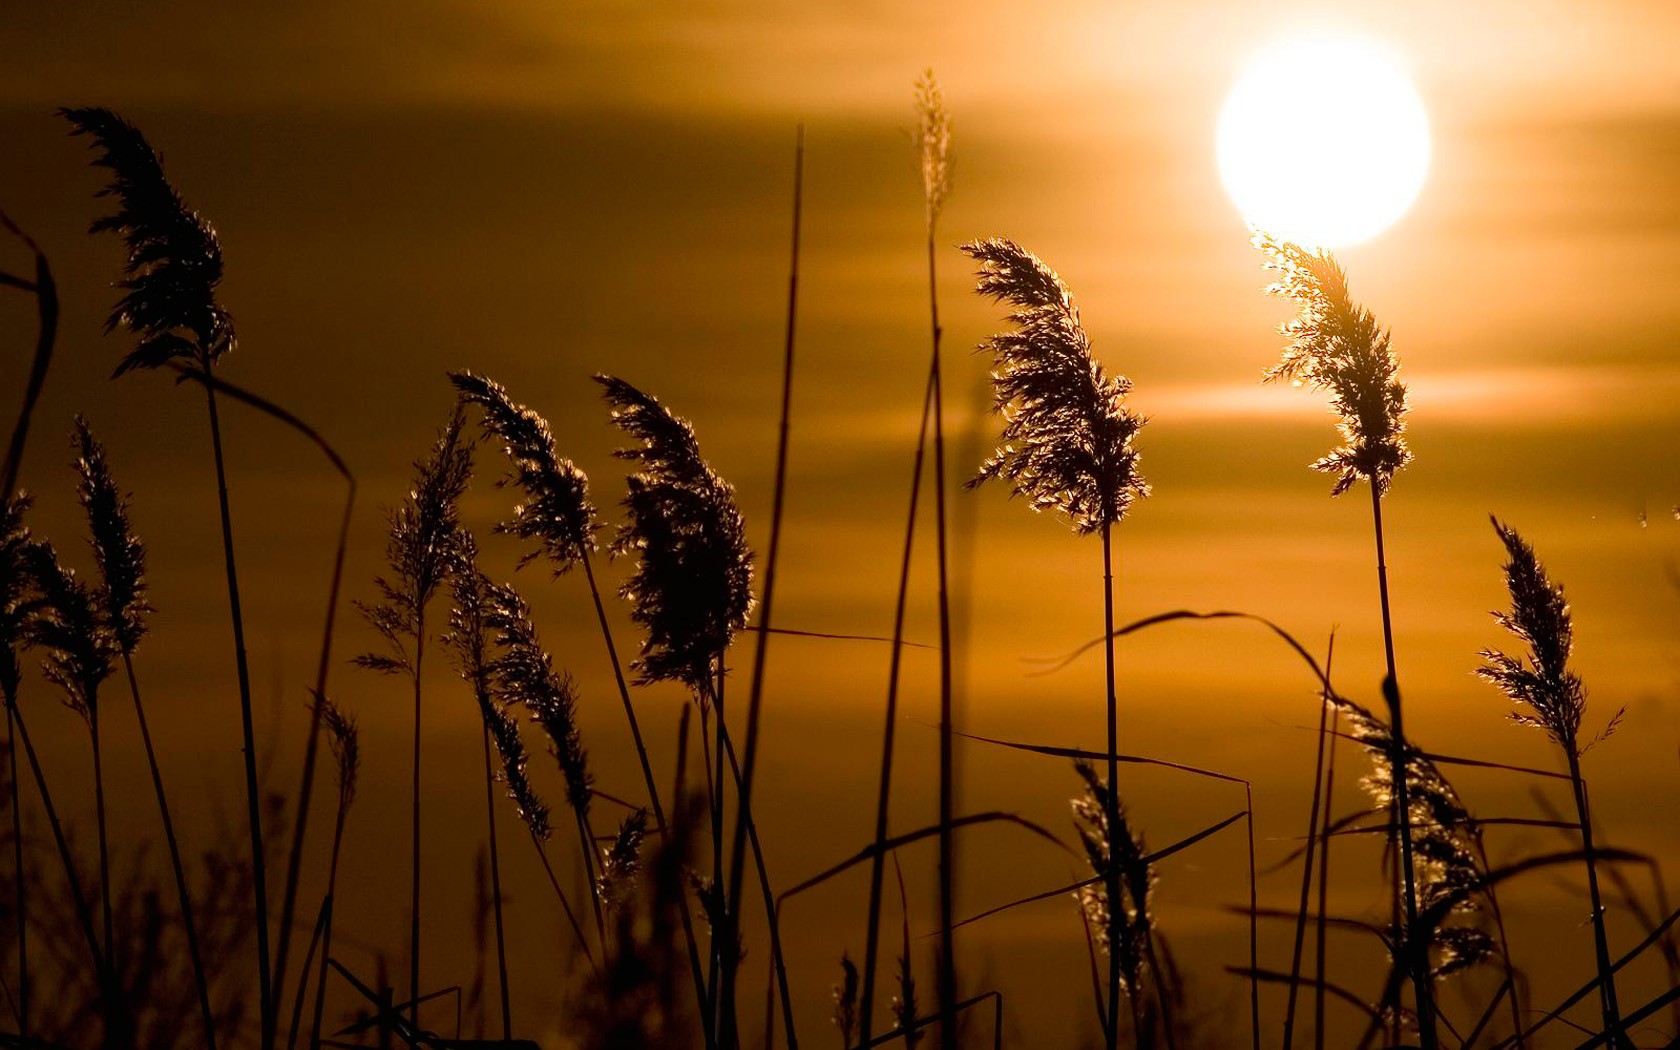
(1323, 139)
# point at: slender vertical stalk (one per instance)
(872, 941)
(327, 928)
(1504, 952)
(496, 886)
(1617, 1037)
(1324, 879)
(99, 816)
(303, 977)
(947, 738)
(414, 913)
(176, 866)
(755, 701)
(1306, 881)
(701, 996)
(46, 308)
(20, 883)
(84, 913)
(1112, 814)
(1416, 960)
(565, 902)
(586, 839)
(253, 800)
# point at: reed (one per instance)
(1067, 446)
(1550, 696)
(345, 743)
(1336, 346)
(121, 558)
(423, 550)
(170, 277)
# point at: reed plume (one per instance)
(470, 634)
(1551, 697)
(1120, 922)
(622, 861)
(1067, 446)
(170, 279)
(15, 591)
(1336, 346)
(692, 587)
(423, 548)
(68, 623)
(121, 558)
(845, 996)
(556, 513)
(524, 676)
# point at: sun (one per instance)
(1323, 139)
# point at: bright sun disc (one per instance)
(1323, 140)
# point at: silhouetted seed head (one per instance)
(1067, 436)
(621, 861)
(469, 639)
(523, 674)
(423, 547)
(904, 1002)
(345, 741)
(117, 551)
(67, 622)
(845, 994)
(174, 260)
(1445, 847)
(1337, 347)
(933, 141)
(1551, 693)
(15, 596)
(692, 588)
(1123, 849)
(556, 511)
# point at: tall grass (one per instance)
(1067, 447)
(423, 549)
(171, 274)
(1336, 346)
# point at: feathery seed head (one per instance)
(423, 547)
(692, 588)
(845, 994)
(525, 675)
(556, 511)
(904, 1002)
(174, 259)
(68, 622)
(1067, 436)
(1105, 851)
(621, 861)
(1553, 695)
(345, 741)
(1337, 346)
(117, 551)
(933, 141)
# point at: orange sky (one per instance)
(547, 190)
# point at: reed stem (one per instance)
(1112, 803)
(414, 913)
(947, 736)
(191, 927)
(253, 799)
(1324, 879)
(1416, 954)
(20, 884)
(872, 943)
(1616, 1036)
(496, 886)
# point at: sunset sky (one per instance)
(540, 191)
